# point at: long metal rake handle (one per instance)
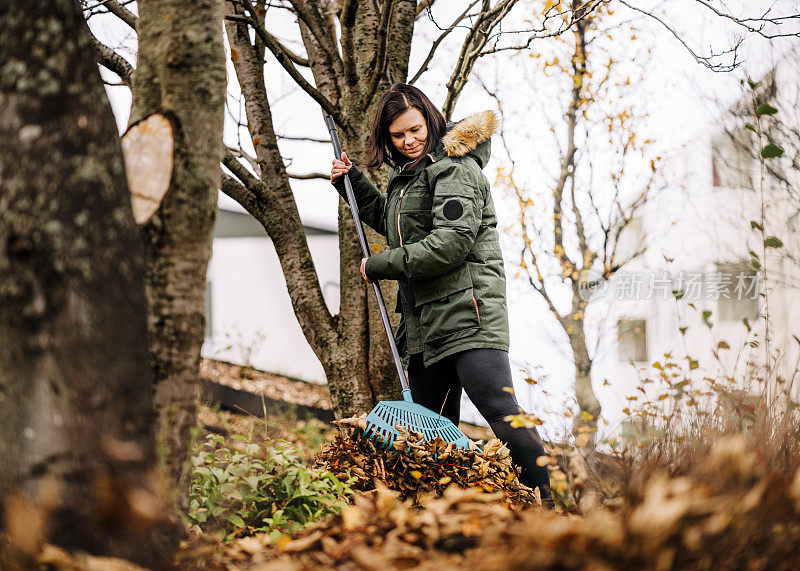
(351, 199)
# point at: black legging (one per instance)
(483, 373)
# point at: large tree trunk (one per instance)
(381, 372)
(351, 346)
(181, 72)
(75, 386)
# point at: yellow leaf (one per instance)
(444, 481)
(543, 460)
(256, 141)
(234, 55)
(416, 474)
(508, 390)
(549, 4)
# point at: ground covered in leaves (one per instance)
(733, 511)
(732, 502)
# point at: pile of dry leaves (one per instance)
(421, 469)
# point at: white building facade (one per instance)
(699, 240)
(249, 315)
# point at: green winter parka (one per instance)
(440, 225)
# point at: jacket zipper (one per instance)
(399, 208)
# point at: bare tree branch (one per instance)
(474, 43)
(565, 18)
(309, 176)
(115, 8)
(263, 33)
(424, 5)
(278, 51)
(240, 194)
(309, 14)
(122, 13)
(347, 20)
(257, 188)
(239, 153)
(755, 25)
(424, 67)
(705, 60)
(307, 139)
(111, 60)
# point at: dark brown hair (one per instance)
(398, 99)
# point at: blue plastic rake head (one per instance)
(386, 415)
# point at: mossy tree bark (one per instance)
(181, 73)
(76, 438)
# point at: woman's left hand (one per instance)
(364, 271)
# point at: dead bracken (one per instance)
(420, 469)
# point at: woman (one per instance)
(439, 221)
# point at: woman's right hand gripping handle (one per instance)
(340, 167)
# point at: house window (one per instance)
(736, 289)
(632, 340)
(731, 159)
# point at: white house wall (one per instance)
(252, 321)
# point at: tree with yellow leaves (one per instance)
(600, 170)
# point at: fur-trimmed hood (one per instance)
(471, 136)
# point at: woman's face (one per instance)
(409, 133)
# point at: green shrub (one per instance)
(244, 491)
